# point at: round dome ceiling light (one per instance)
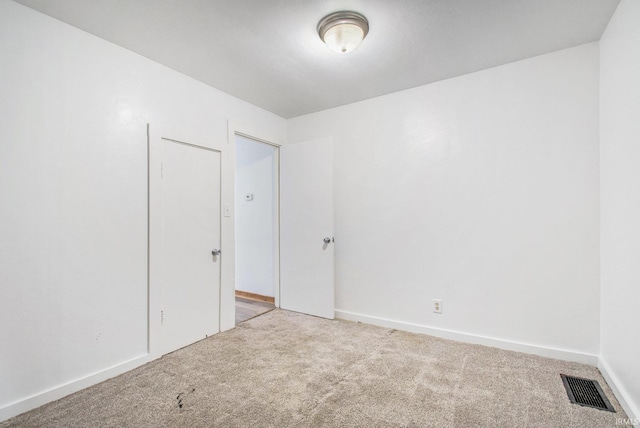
(343, 31)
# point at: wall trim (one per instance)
(36, 400)
(254, 296)
(543, 351)
(629, 407)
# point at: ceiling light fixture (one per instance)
(343, 31)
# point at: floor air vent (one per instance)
(586, 392)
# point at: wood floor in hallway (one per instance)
(247, 309)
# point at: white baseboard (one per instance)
(36, 400)
(560, 354)
(618, 388)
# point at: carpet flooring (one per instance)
(284, 369)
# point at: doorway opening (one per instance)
(256, 227)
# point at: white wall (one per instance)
(482, 191)
(620, 187)
(255, 219)
(73, 210)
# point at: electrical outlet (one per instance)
(437, 306)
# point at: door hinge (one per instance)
(161, 317)
(161, 170)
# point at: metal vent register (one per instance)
(586, 392)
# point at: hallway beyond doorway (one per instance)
(247, 309)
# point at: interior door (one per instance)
(190, 239)
(306, 228)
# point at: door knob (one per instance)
(327, 240)
(216, 252)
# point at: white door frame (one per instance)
(243, 131)
(155, 135)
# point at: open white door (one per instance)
(306, 224)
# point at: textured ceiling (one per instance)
(268, 53)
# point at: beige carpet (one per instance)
(284, 369)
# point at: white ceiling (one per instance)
(268, 53)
